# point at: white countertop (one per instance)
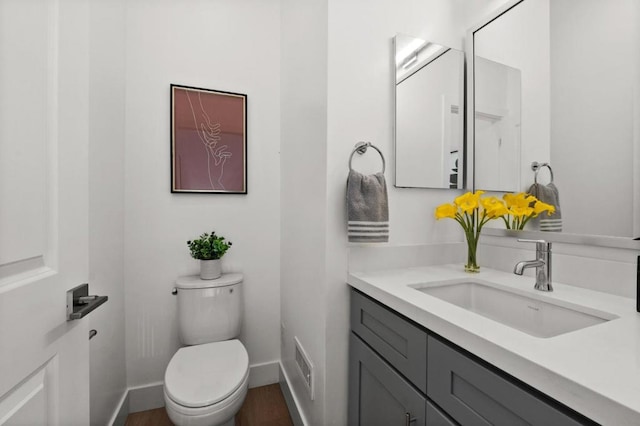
(595, 370)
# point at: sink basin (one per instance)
(531, 315)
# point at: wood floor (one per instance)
(263, 406)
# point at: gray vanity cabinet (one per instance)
(402, 374)
(401, 343)
(378, 394)
(388, 369)
(474, 395)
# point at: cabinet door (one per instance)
(401, 343)
(435, 417)
(475, 395)
(378, 396)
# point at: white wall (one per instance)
(592, 112)
(337, 89)
(106, 206)
(604, 269)
(303, 188)
(225, 45)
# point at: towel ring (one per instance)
(361, 148)
(535, 166)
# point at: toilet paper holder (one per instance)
(80, 303)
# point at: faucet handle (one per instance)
(541, 245)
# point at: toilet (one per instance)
(206, 381)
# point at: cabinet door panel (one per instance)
(401, 343)
(379, 396)
(435, 417)
(474, 395)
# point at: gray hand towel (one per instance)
(367, 208)
(548, 194)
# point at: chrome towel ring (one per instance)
(361, 148)
(535, 166)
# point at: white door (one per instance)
(44, 360)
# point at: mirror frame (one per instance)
(556, 237)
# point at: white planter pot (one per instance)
(210, 269)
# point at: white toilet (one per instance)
(206, 382)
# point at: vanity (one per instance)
(435, 345)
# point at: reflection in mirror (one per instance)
(575, 67)
(429, 114)
(497, 124)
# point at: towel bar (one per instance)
(361, 148)
(535, 166)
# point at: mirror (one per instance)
(429, 114)
(557, 82)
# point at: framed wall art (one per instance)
(208, 141)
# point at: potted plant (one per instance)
(209, 249)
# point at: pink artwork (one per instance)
(208, 141)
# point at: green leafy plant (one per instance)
(209, 246)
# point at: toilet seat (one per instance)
(203, 376)
(222, 409)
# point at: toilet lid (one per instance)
(203, 375)
(195, 282)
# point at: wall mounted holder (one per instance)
(80, 303)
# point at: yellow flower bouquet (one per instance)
(521, 208)
(472, 213)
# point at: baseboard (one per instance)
(264, 374)
(292, 401)
(146, 397)
(119, 417)
(138, 398)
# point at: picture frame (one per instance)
(208, 141)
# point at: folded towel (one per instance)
(548, 194)
(367, 208)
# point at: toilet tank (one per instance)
(209, 310)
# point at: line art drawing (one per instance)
(208, 140)
(209, 134)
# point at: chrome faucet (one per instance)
(542, 265)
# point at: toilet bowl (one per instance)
(205, 385)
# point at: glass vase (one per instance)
(472, 249)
